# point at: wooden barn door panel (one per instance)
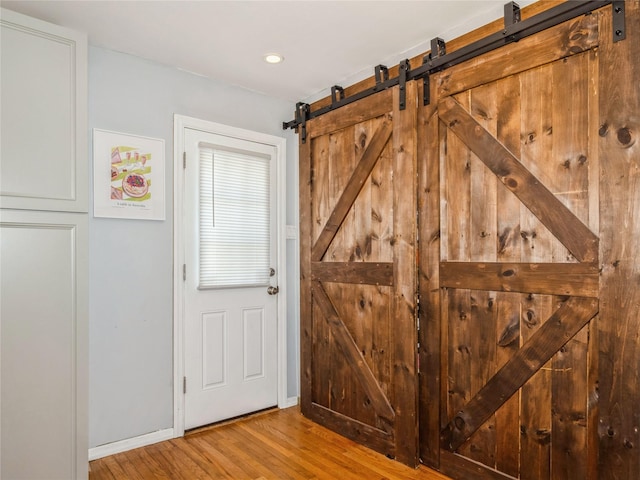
(515, 258)
(358, 290)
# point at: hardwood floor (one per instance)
(276, 445)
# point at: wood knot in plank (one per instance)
(530, 138)
(464, 349)
(543, 436)
(511, 333)
(530, 319)
(363, 140)
(603, 130)
(625, 137)
(459, 422)
(504, 239)
(511, 182)
(481, 112)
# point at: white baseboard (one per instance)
(290, 402)
(150, 438)
(130, 444)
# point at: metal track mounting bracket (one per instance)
(619, 31)
(404, 69)
(335, 91)
(302, 115)
(382, 74)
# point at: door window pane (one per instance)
(234, 218)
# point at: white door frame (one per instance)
(180, 122)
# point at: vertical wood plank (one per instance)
(457, 188)
(537, 130)
(570, 120)
(619, 322)
(319, 175)
(361, 323)
(569, 409)
(404, 295)
(362, 241)
(382, 250)
(316, 337)
(482, 248)
(593, 405)
(537, 245)
(429, 285)
(306, 304)
(481, 447)
(483, 187)
(342, 161)
(536, 398)
(508, 250)
(445, 392)
(459, 359)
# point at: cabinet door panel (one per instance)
(43, 357)
(44, 153)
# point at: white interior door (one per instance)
(230, 280)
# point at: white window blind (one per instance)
(234, 219)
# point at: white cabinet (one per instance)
(43, 251)
(43, 110)
(43, 280)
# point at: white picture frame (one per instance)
(128, 176)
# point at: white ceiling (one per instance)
(324, 42)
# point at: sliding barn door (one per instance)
(358, 269)
(509, 260)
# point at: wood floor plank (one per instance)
(147, 464)
(100, 471)
(213, 455)
(115, 469)
(278, 445)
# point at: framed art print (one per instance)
(128, 176)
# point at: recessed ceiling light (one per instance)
(273, 58)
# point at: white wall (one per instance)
(130, 271)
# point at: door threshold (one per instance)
(221, 423)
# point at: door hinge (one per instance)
(184, 385)
(184, 272)
(184, 159)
